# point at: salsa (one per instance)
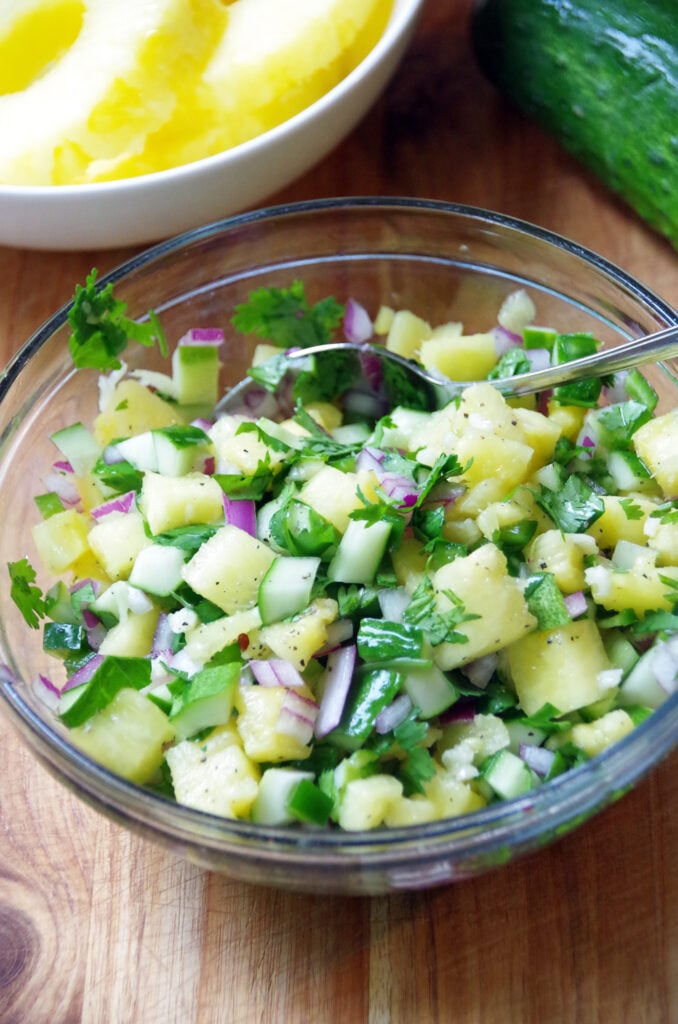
(334, 607)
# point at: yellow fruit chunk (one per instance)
(300, 638)
(333, 494)
(62, 539)
(132, 637)
(563, 555)
(258, 712)
(132, 409)
(641, 588)
(135, 59)
(406, 332)
(228, 568)
(559, 667)
(168, 502)
(116, 540)
(595, 737)
(37, 35)
(656, 443)
(367, 802)
(615, 524)
(459, 356)
(214, 775)
(206, 640)
(128, 736)
(482, 583)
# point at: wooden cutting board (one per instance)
(100, 927)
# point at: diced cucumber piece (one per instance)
(628, 472)
(507, 774)
(360, 551)
(539, 337)
(286, 587)
(161, 696)
(139, 451)
(195, 370)
(641, 686)
(271, 804)
(351, 433)
(521, 733)
(111, 675)
(172, 458)
(114, 603)
(157, 569)
(430, 690)
(620, 651)
(206, 701)
(78, 446)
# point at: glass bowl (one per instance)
(442, 260)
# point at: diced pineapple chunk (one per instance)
(228, 568)
(367, 802)
(595, 737)
(132, 637)
(207, 639)
(410, 810)
(451, 797)
(258, 713)
(131, 409)
(569, 419)
(656, 443)
(409, 562)
(616, 523)
(243, 452)
(563, 555)
(128, 736)
(482, 583)
(116, 540)
(300, 638)
(540, 433)
(326, 415)
(333, 494)
(663, 539)
(559, 667)
(62, 539)
(168, 502)
(214, 775)
(466, 357)
(642, 590)
(406, 333)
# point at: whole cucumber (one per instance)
(600, 77)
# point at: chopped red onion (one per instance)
(297, 718)
(538, 358)
(336, 685)
(203, 336)
(276, 672)
(370, 458)
(202, 424)
(617, 391)
(209, 466)
(63, 487)
(62, 466)
(111, 455)
(372, 367)
(123, 503)
(480, 671)
(84, 673)
(539, 759)
(576, 604)
(400, 488)
(49, 685)
(241, 512)
(357, 323)
(504, 340)
(163, 638)
(460, 712)
(390, 717)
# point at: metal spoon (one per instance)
(433, 392)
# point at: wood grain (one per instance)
(98, 926)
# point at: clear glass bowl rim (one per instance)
(561, 804)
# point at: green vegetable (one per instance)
(284, 317)
(603, 79)
(111, 675)
(26, 596)
(101, 331)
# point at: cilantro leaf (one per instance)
(26, 596)
(631, 509)
(418, 766)
(283, 316)
(100, 331)
(512, 362)
(440, 627)
(573, 507)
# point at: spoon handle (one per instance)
(638, 351)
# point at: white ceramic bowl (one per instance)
(144, 209)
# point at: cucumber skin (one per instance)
(601, 78)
